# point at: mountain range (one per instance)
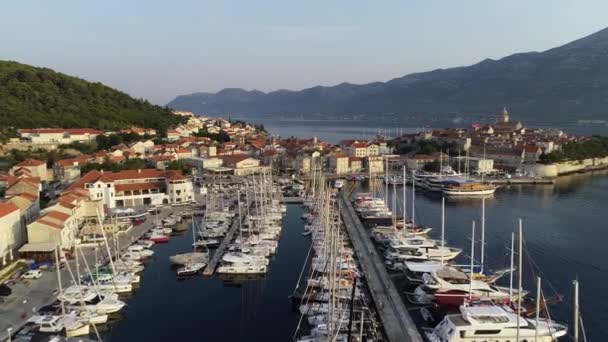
(566, 83)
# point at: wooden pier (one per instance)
(219, 252)
(396, 320)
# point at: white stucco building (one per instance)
(10, 232)
(141, 187)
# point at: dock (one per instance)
(219, 252)
(292, 200)
(396, 320)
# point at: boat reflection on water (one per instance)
(238, 280)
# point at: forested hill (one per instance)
(32, 97)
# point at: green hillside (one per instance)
(32, 97)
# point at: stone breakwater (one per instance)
(564, 168)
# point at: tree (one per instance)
(178, 165)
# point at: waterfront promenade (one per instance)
(398, 325)
(30, 295)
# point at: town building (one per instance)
(142, 187)
(242, 165)
(11, 236)
(53, 227)
(59, 135)
(418, 161)
(31, 168)
(338, 164)
(355, 164)
(374, 164)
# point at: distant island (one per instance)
(32, 97)
(563, 84)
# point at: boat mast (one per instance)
(519, 266)
(238, 203)
(413, 199)
(77, 265)
(483, 234)
(472, 261)
(538, 294)
(442, 227)
(404, 198)
(576, 312)
(386, 181)
(394, 205)
(512, 270)
(57, 267)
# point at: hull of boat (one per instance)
(83, 330)
(465, 193)
(160, 239)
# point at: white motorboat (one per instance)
(493, 323)
(69, 323)
(190, 269)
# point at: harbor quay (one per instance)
(28, 296)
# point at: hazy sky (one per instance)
(160, 49)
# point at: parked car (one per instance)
(32, 274)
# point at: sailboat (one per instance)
(64, 322)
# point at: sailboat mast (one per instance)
(519, 266)
(512, 268)
(413, 199)
(538, 294)
(576, 312)
(57, 267)
(442, 227)
(77, 264)
(394, 205)
(386, 181)
(472, 261)
(483, 234)
(238, 203)
(404, 198)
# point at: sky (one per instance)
(160, 49)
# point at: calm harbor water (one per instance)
(564, 228)
(211, 309)
(334, 131)
(564, 231)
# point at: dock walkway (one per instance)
(219, 252)
(397, 322)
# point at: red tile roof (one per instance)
(29, 196)
(7, 208)
(57, 215)
(30, 162)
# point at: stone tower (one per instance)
(504, 115)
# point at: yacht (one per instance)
(493, 323)
(451, 287)
(468, 188)
(190, 269)
(69, 323)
